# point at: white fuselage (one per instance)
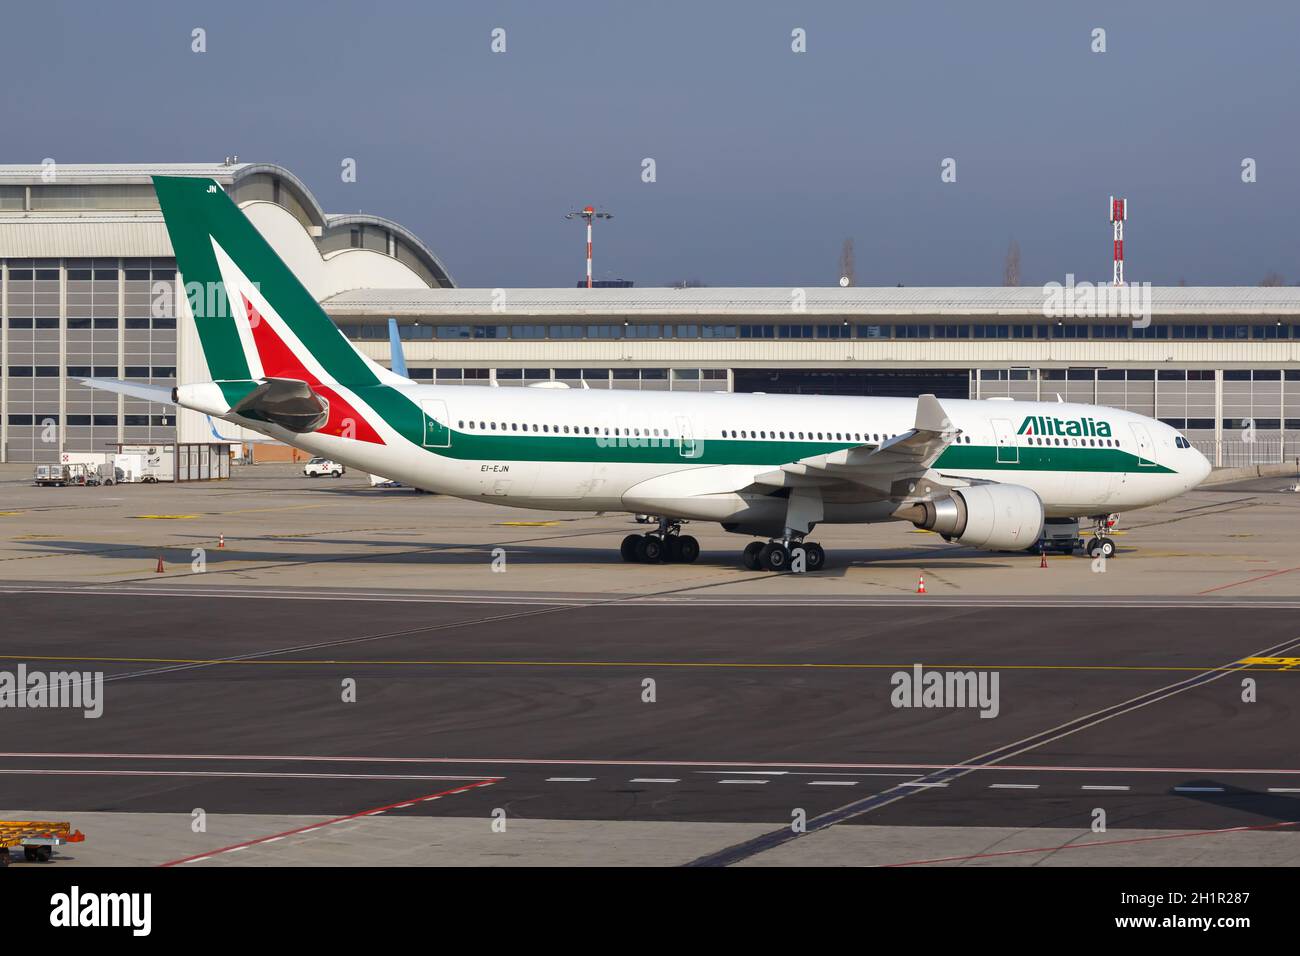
(687, 454)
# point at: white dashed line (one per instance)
(1284, 789)
(743, 781)
(1099, 786)
(832, 783)
(655, 780)
(909, 783)
(1198, 789)
(569, 779)
(765, 773)
(1013, 786)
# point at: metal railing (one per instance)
(1236, 453)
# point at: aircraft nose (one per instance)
(1200, 470)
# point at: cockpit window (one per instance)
(1181, 442)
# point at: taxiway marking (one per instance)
(733, 766)
(1261, 577)
(1277, 663)
(759, 844)
(271, 838)
(560, 601)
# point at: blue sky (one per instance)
(766, 159)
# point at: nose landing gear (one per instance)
(1100, 545)
(667, 544)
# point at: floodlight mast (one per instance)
(589, 214)
(1118, 213)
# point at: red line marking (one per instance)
(1271, 574)
(325, 823)
(1095, 843)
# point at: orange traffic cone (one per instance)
(1043, 562)
(221, 541)
(920, 584)
(159, 569)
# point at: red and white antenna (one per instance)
(589, 214)
(1118, 213)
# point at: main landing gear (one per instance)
(1101, 546)
(784, 556)
(667, 544)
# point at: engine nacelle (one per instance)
(990, 517)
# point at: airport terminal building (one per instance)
(82, 254)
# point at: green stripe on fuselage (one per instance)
(408, 420)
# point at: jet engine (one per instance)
(989, 517)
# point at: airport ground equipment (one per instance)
(38, 838)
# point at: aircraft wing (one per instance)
(150, 393)
(889, 469)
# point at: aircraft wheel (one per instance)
(750, 556)
(649, 549)
(774, 557)
(814, 556)
(1103, 547)
(627, 550)
(687, 549)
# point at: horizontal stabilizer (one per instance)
(150, 393)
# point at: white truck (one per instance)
(147, 463)
(323, 466)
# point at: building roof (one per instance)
(648, 303)
(123, 173)
(52, 237)
(99, 241)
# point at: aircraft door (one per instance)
(437, 426)
(1005, 439)
(1144, 449)
(687, 446)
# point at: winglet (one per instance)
(930, 416)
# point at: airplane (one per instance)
(985, 474)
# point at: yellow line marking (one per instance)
(254, 511)
(526, 524)
(10, 514)
(738, 665)
(1284, 663)
(164, 517)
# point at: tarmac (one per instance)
(330, 674)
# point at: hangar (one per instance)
(83, 251)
